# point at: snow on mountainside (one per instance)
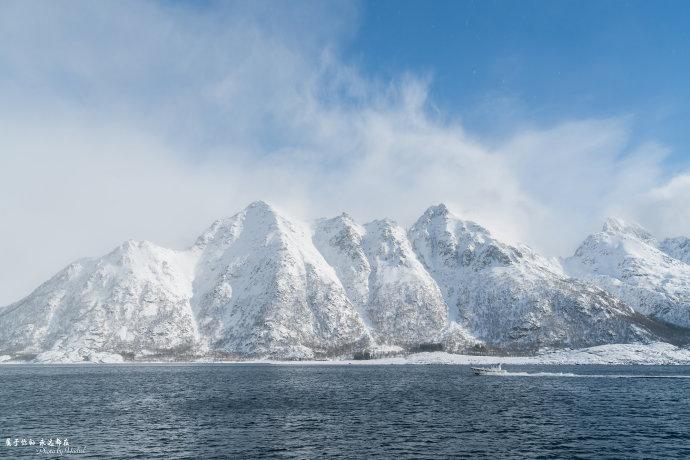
(393, 292)
(262, 288)
(678, 248)
(511, 297)
(624, 260)
(257, 285)
(132, 301)
(252, 285)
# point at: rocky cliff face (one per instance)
(678, 248)
(512, 298)
(133, 301)
(261, 288)
(625, 260)
(396, 296)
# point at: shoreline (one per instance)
(657, 353)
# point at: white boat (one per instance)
(495, 370)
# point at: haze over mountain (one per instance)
(258, 284)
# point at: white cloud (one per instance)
(140, 120)
(665, 209)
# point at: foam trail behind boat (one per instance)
(609, 376)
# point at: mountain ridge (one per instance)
(626, 261)
(259, 285)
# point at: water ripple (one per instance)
(348, 412)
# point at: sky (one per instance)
(149, 120)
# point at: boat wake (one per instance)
(600, 376)
(542, 374)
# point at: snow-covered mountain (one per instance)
(133, 301)
(395, 295)
(260, 285)
(512, 298)
(252, 285)
(262, 288)
(626, 261)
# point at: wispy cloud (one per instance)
(149, 120)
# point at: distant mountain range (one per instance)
(258, 285)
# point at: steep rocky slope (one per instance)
(511, 297)
(133, 301)
(395, 295)
(262, 288)
(678, 248)
(624, 259)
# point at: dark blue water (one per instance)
(264, 411)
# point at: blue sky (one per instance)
(148, 120)
(501, 64)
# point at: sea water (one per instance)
(343, 411)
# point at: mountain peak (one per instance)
(132, 246)
(260, 205)
(258, 214)
(261, 213)
(442, 219)
(614, 224)
(619, 226)
(437, 210)
(382, 223)
(343, 220)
